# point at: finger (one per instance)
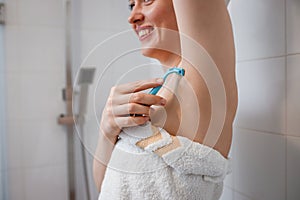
(131, 108)
(139, 85)
(141, 98)
(131, 121)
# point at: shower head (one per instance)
(85, 79)
(86, 75)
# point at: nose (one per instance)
(136, 15)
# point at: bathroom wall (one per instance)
(34, 74)
(266, 144)
(3, 176)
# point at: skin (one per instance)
(210, 29)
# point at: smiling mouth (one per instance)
(144, 33)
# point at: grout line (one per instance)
(260, 59)
(239, 192)
(260, 131)
(292, 54)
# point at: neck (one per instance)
(170, 61)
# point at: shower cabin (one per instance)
(58, 62)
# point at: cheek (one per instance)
(165, 18)
(162, 15)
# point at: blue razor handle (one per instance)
(179, 71)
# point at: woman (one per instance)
(184, 159)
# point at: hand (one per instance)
(127, 106)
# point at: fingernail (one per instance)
(160, 80)
(163, 102)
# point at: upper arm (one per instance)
(207, 43)
(208, 24)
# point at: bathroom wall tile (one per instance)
(42, 96)
(129, 64)
(93, 14)
(14, 144)
(227, 194)
(293, 26)
(11, 13)
(293, 166)
(229, 180)
(119, 15)
(44, 143)
(41, 13)
(259, 28)
(95, 48)
(12, 49)
(293, 95)
(261, 86)
(42, 49)
(259, 170)
(46, 183)
(239, 196)
(13, 95)
(16, 187)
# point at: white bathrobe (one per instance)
(191, 171)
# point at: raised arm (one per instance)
(207, 43)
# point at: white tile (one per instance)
(227, 194)
(13, 92)
(94, 43)
(42, 49)
(293, 26)
(293, 166)
(119, 15)
(239, 196)
(11, 14)
(44, 143)
(14, 144)
(16, 185)
(261, 87)
(12, 49)
(46, 183)
(42, 96)
(259, 28)
(293, 95)
(228, 182)
(259, 170)
(41, 13)
(93, 14)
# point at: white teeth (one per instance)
(144, 32)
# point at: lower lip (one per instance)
(146, 36)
